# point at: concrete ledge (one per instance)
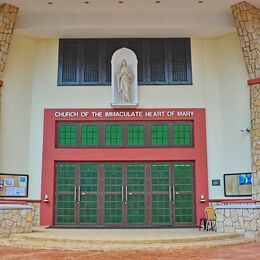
(238, 206)
(14, 206)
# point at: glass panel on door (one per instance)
(113, 198)
(183, 180)
(135, 197)
(88, 194)
(65, 198)
(160, 194)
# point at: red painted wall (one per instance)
(51, 154)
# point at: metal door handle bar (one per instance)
(173, 193)
(170, 194)
(79, 194)
(75, 193)
(122, 190)
(126, 193)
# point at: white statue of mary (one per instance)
(124, 80)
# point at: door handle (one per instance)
(173, 193)
(170, 193)
(75, 193)
(79, 194)
(126, 193)
(122, 194)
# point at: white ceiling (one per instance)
(133, 18)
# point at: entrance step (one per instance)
(121, 239)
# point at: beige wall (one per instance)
(219, 84)
(16, 106)
(227, 109)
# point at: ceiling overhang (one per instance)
(132, 18)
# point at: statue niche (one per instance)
(124, 79)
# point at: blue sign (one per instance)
(245, 179)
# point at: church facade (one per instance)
(120, 126)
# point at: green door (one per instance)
(183, 194)
(125, 194)
(66, 203)
(160, 194)
(172, 194)
(113, 194)
(88, 194)
(135, 194)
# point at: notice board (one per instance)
(14, 185)
(238, 184)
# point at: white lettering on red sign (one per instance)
(185, 113)
(123, 114)
(67, 114)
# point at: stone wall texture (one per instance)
(247, 20)
(35, 213)
(13, 221)
(8, 15)
(255, 138)
(245, 222)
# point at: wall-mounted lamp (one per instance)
(202, 198)
(246, 129)
(46, 198)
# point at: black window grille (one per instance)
(180, 63)
(160, 61)
(69, 62)
(111, 47)
(157, 61)
(91, 62)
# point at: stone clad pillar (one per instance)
(247, 20)
(8, 14)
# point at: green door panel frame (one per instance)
(65, 194)
(160, 197)
(136, 190)
(184, 193)
(88, 194)
(113, 202)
